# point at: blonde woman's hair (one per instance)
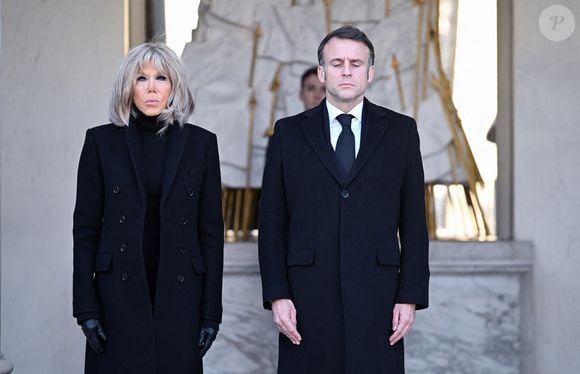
(180, 103)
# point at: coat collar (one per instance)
(316, 129)
(176, 139)
(133, 143)
(373, 129)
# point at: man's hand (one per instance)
(207, 335)
(284, 314)
(95, 334)
(403, 318)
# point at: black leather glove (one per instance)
(95, 334)
(207, 335)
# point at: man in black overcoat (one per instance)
(343, 240)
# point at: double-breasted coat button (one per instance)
(182, 251)
(190, 192)
(345, 194)
(116, 189)
(180, 278)
(124, 276)
(123, 247)
(183, 221)
(122, 219)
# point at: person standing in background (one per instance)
(312, 90)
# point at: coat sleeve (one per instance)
(211, 236)
(87, 224)
(414, 271)
(273, 226)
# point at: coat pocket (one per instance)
(103, 262)
(300, 257)
(388, 256)
(198, 264)
(194, 174)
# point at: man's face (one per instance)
(312, 92)
(346, 72)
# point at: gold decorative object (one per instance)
(397, 68)
(418, 63)
(430, 35)
(328, 12)
(257, 36)
(274, 88)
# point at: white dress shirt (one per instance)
(336, 127)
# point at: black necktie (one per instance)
(345, 145)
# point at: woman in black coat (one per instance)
(148, 227)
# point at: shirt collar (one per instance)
(333, 111)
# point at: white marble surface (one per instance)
(546, 179)
(247, 341)
(218, 63)
(471, 326)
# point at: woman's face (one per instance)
(151, 90)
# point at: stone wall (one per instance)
(59, 59)
(546, 179)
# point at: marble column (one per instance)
(6, 366)
(155, 26)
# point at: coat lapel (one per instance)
(373, 129)
(316, 129)
(176, 139)
(134, 145)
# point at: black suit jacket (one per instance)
(344, 247)
(109, 280)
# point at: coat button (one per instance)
(181, 251)
(180, 278)
(122, 219)
(116, 189)
(345, 194)
(124, 276)
(123, 247)
(190, 192)
(183, 221)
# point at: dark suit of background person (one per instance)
(328, 240)
(148, 231)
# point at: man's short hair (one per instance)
(310, 71)
(347, 32)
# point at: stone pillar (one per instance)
(59, 59)
(155, 16)
(6, 366)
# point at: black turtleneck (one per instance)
(154, 150)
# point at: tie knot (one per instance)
(344, 119)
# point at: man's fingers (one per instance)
(403, 318)
(284, 314)
(402, 329)
(395, 322)
(288, 327)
